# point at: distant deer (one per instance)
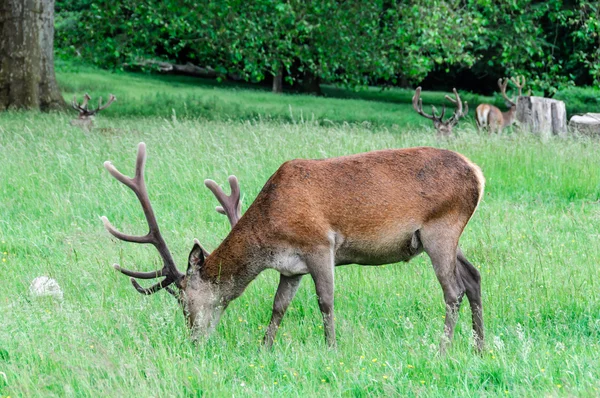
(490, 117)
(85, 119)
(372, 208)
(444, 129)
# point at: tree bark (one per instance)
(278, 81)
(27, 78)
(543, 116)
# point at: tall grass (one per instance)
(534, 239)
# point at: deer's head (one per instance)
(86, 116)
(444, 128)
(202, 299)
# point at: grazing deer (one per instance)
(372, 208)
(491, 117)
(444, 129)
(85, 119)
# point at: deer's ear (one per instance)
(196, 257)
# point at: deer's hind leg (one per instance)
(440, 243)
(472, 281)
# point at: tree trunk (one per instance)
(278, 81)
(27, 79)
(543, 116)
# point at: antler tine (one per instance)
(83, 107)
(434, 111)
(519, 82)
(459, 112)
(86, 98)
(417, 104)
(502, 84)
(138, 186)
(230, 204)
(100, 107)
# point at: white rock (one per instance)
(44, 286)
(586, 124)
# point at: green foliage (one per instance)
(580, 99)
(553, 43)
(353, 43)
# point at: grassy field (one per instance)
(165, 96)
(534, 238)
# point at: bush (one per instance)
(580, 99)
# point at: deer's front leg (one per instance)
(288, 286)
(321, 269)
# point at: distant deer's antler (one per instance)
(443, 127)
(459, 112)
(502, 84)
(154, 237)
(81, 108)
(84, 112)
(519, 82)
(417, 104)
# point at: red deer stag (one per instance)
(373, 208)
(492, 118)
(85, 120)
(444, 128)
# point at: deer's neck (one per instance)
(508, 117)
(236, 262)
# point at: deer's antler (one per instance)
(460, 111)
(81, 108)
(502, 84)
(84, 112)
(417, 104)
(138, 186)
(443, 127)
(101, 107)
(519, 82)
(230, 204)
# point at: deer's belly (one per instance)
(289, 265)
(377, 253)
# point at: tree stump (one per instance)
(27, 77)
(543, 116)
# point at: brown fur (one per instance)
(491, 117)
(371, 208)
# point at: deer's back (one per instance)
(367, 194)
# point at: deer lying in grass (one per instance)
(372, 208)
(85, 120)
(444, 128)
(492, 118)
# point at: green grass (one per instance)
(534, 238)
(186, 97)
